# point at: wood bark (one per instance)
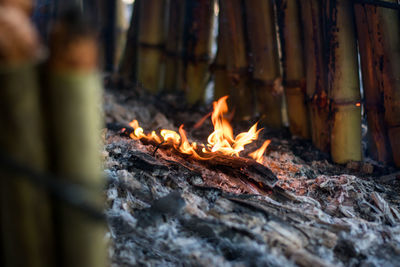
(343, 82)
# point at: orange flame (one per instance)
(220, 141)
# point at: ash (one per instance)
(166, 210)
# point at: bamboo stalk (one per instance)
(293, 66)
(317, 95)
(127, 68)
(198, 40)
(121, 32)
(387, 41)
(74, 95)
(343, 85)
(25, 219)
(264, 59)
(151, 42)
(237, 65)
(174, 47)
(378, 143)
(219, 68)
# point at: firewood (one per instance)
(264, 59)
(343, 82)
(151, 41)
(317, 94)
(198, 37)
(174, 47)
(293, 66)
(241, 95)
(73, 94)
(378, 141)
(25, 225)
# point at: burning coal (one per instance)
(220, 142)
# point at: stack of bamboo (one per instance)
(34, 230)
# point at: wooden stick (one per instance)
(264, 59)
(174, 48)
(73, 100)
(241, 98)
(293, 66)
(343, 85)
(317, 94)
(219, 68)
(198, 38)
(25, 219)
(127, 68)
(151, 42)
(378, 142)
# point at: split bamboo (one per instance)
(293, 66)
(25, 219)
(387, 41)
(241, 96)
(219, 68)
(317, 94)
(198, 40)
(378, 141)
(127, 68)
(174, 47)
(73, 94)
(343, 85)
(264, 59)
(151, 43)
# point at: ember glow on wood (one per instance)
(220, 142)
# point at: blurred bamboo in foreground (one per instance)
(378, 142)
(73, 94)
(151, 43)
(26, 229)
(198, 39)
(343, 82)
(317, 95)
(293, 66)
(264, 60)
(241, 96)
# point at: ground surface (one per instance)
(168, 210)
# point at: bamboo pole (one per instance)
(378, 142)
(343, 82)
(174, 47)
(293, 66)
(121, 32)
(127, 68)
(237, 65)
(317, 94)
(73, 96)
(219, 68)
(25, 219)
(264, 59)
(387, 43)
(151, 42)
(198, 40)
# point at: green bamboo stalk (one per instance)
(198, 40)
(127, 67)
(151, 41)
(317, 94)
(262, 38)
(74, 92)
(237, 65)
(343, 85)
(25, 219)
(174, 47)
(378, 142)
(121, 31)
(293, 66)
(219, 68)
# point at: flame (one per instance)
(220, 141)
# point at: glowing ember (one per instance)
(220, 141)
